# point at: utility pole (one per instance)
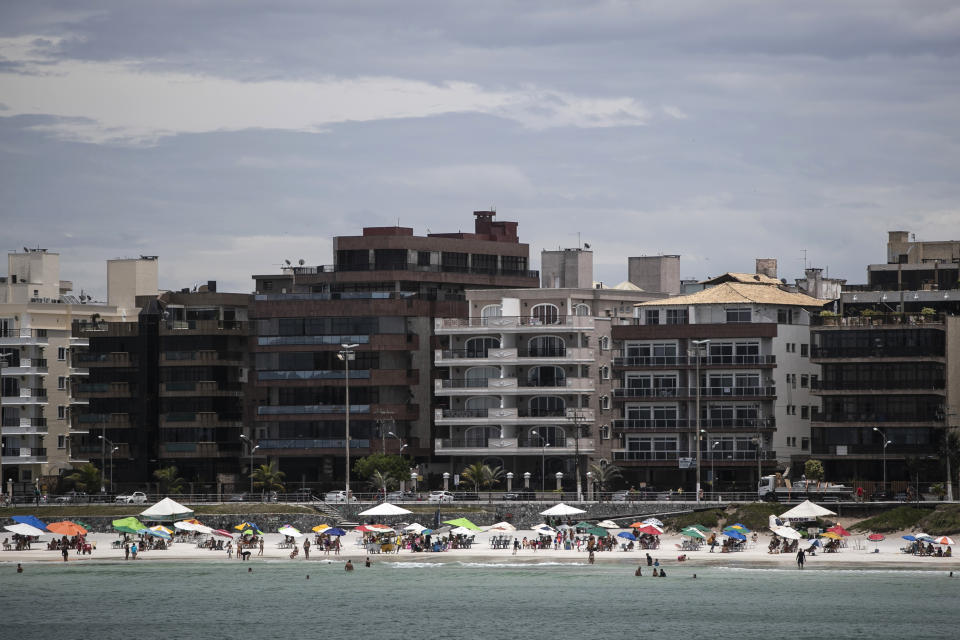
(696, 443)
(576, 416)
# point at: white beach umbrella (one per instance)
(654, 522)
(806, 510)
(608, 524)
(416, 527)
(24, 529)
(461, 531)
(786, 532)
(501, 526)
(561, 509)
(385, 509)
(290, 531)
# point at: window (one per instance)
(604, 343)
(804, 443)
(677, 316)
(61, 442)
(804, 349)
(804, 381)
(791, 441)
(268, 285)
(491, 311)
(61, 383)
(544, 314)
(480, 347)
(423, 258)
(739, 315)
(546, 347)
(791, 409)
(581, 310)
(61, 353)
(604, 372)
(805, 412)
(783, 316)
(604, 402)
(61, 412)
(653, 316)
(604, 432)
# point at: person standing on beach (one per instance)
(649, 560)
(133, 550)
(66, 553)
(126, 550)
(306, 549)
(261, 546)
(801, 558)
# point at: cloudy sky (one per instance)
(226, 137)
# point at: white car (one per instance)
(137, 497)
(440, 496)
(339, 496)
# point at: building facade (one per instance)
(739, 351)
(382, 294)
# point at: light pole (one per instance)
(696, 354)
(403, 445)
(113, 447)
(381, 417)
(3, 363)
(347, 354)
(885, 443)
(576, 416)
(543, 460)
(253, 448)
(713, 475)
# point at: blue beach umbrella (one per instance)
(736, 535)
(335, 531)
(33, 521)
(155, 533)
(910, 538)
(627, 535)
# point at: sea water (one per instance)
(413, 600)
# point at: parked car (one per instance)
(239, 497)
(137, 497)
(339, 496)
(73, 496)
(438, 497)
(302, 495)
(520, 495)
(401, 496)
(466, 496)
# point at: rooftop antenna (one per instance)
(804, 259)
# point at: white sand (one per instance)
(859, 554)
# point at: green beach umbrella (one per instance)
(693, 533)
(594, 530)
(462, 522)
(700, 528)
(583, 524)
(128, 525)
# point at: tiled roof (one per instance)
(745, 278)
(739, 293)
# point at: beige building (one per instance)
(37, 311)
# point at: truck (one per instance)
(775, 488)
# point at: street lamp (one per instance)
(403, 445)
(543, 461)
(3, 363)
(381, 418)
(347, 354)
(713, 476)
(696, 354)
(253, 448)
(113, 448)
(885, 443)
(576, 415)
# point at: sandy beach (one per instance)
(859, 554)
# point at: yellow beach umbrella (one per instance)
(160, 527)
(321, 528)
(831, 535)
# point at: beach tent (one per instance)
(561, 509)
(806, 510)
(33, 521)
(128, 525)
(167, 510)
(24, 529)
(385, 509)
(462, 522)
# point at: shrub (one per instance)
(944, 520)
(897, 519)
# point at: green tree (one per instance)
(390, 466)
(266, 477)
(481, 475)
(950, 455)
(604, 475)
(813, 469)
(86, 477)
(382, 481)
(169, 480)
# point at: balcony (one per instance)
(24, 455)
(469, 357)
(724, 457)
(200, 388)
(646, 393)
(854, 419)
(523, 324)
(83, 422)
(878, 387)
(687, 424)
(200, 450)
(298, 409)
(85, 391)
(667, 362)
(99, 451)
(199, 419)
(311, 446)
(23, 337)
(508, 447)
(510, 416)
(24, 426)
(112, 359)
(886, 320)
(26, 367)
(204, 327)
(509, 386)
(201, 357)
(27, 397)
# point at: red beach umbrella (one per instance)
(875, 537)
(840, 531)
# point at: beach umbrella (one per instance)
(33, 521)
(561, 509)
(414, 527)
(544, 530)
(462, 522)
(222, 533)
(693, 533)
(385, 509)
(335, 531)
(24, 529)
(248, 528)
(160, 527)
(925, 537)
(737, 527)
(320, 528)
(627, 535)
(156, 533)
(787, 532)
(831, 535)
(583, 524)
(501, 526)
(701, 528)
(128, 525)
(840, 531)
(943, 540)
(461, 531)
(596, 531)
(875, 537)
(653, 521)
(608, 524)
(287, 530)
(909, 538)
(167, 509)
(66, 528)
(650, 529)
(736, 535)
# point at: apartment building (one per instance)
(890, 386)
(37, 366)
(382, 294)
(524, 382)
(167, 389)
(738, 349)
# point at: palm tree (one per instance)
(382, 480)
(169, 480)
(266, 477)
(492, 475)
(481, 475)
(86, 477)
(604, 475)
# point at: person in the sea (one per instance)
(639, 571)
(656, 574)
(649, 560)
(800, 558)
(348, 566)
(367, 563)
(663, 573)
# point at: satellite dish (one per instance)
(288, 262)
(586, 246)
(302, 261)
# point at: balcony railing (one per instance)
(334, 374)
(686, 392)
(307, 443)
(877, 385)
(671, 361)
(876, 352)
(515, 321)
(725, 456)
(868, 419)
(275, 410)
(880, 319)
(413, 266)
(685, 424)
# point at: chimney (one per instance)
(767, 267)
(212, 286)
